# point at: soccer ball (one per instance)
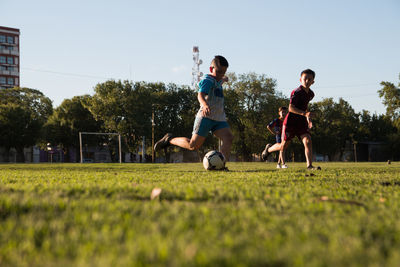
(214, 160)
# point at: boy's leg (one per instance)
(200, 129)
(275, 147)
(191, 144)
(286, 137)
(280, 161)
(226, 136)
(269, 149)
(306, 139)
(283, 147)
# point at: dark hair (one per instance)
(308, 71)
(220, 61)
(282, 108)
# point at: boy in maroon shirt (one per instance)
(298, 121)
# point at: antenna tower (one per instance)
(196, 74)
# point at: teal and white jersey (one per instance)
(214, 98)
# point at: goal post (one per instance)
(94, 133)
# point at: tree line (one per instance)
(28, 118)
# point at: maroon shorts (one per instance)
(290, 131)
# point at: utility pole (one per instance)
(355, 150)
(153, 154)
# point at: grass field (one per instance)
(254, 215)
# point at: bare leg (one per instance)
(280, 161)
(275, 147)
(191, 144)
(306, 139)
(226, 136)
(282, 150)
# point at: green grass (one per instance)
(254, 215)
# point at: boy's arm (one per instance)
(309, 122)
(269, 129)
(297, 111)
(202, 99)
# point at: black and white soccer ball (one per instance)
(214, 160)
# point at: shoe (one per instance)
(312, 168)
(225, 169)
(284, 166)
(265, 153)
(163, 142)
(278, 166)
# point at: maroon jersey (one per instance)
(299, 98)
(294, 124)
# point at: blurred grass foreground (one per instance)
(181, 215)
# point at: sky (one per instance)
(67, 47)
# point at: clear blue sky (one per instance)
(67, 47)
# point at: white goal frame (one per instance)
(93, 133)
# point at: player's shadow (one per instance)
(249, 171)
(227, 172)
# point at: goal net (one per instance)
(100, 147)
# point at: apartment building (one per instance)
(9, 57)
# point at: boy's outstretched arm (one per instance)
(202, 100)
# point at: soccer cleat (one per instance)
(224, 169)
(312, 168)
(163, 142)
(265, 153)
(278, 166)
(284, 166)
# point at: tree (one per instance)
(380, 128)
(251, 101)
(374, 128)
(67, 120)
(391, 99)
(127, 108)
(334, 124)
(23, 112)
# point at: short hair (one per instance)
(220, 61)
(308, 71)
(282, 108)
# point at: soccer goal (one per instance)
(94, 151)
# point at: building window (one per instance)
(10, 81)
(2, 39)
(10, 68)
(2, 80)
(2, 59)
(10, 39)
(2, 47)
(3, 68)
(10, 60)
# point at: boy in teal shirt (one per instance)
(211, 115)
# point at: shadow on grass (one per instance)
(395, 183)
